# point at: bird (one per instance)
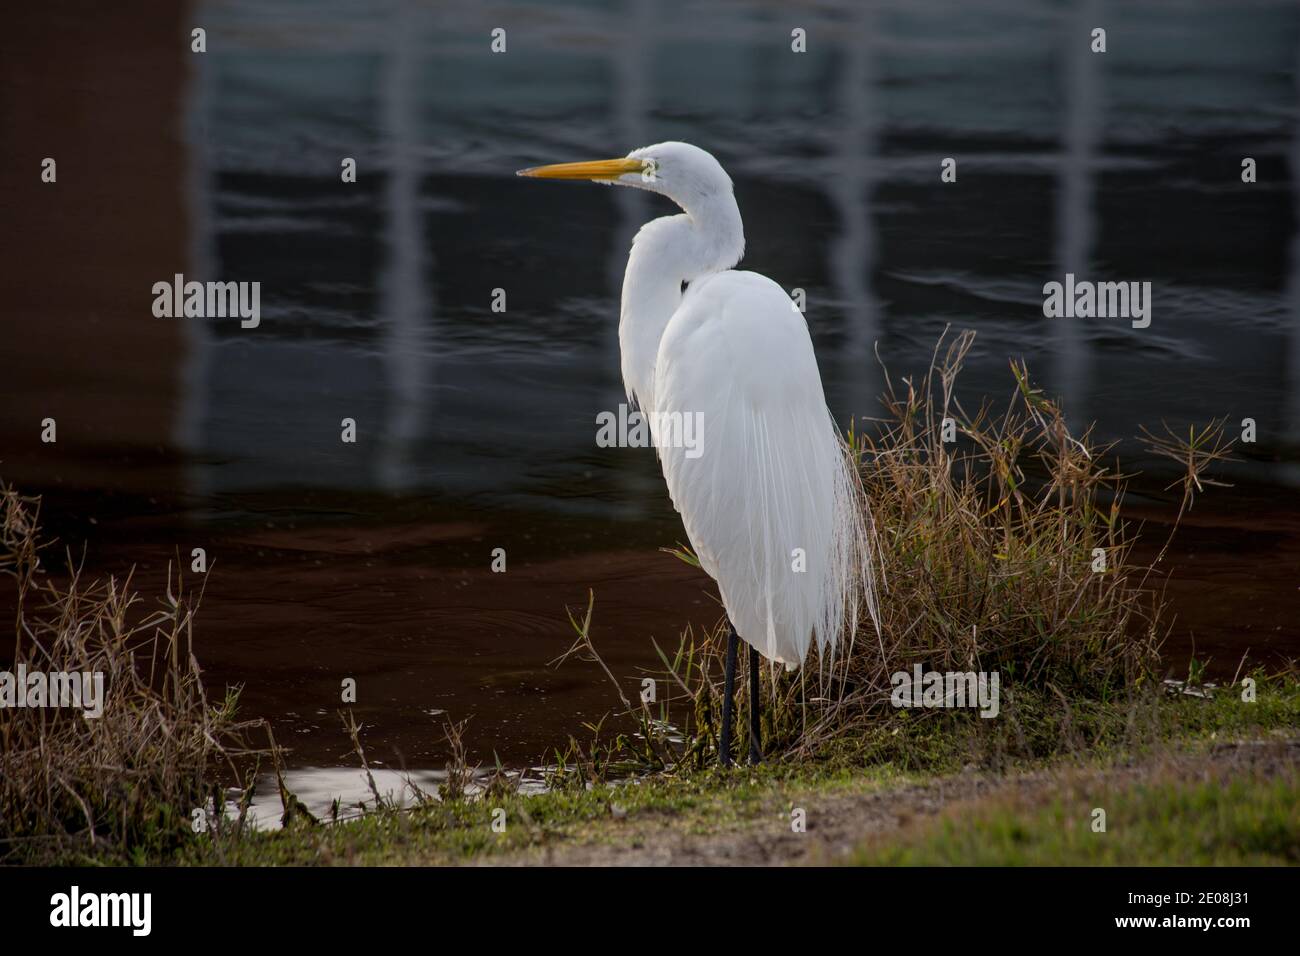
(770, 499)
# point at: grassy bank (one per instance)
(1214, 808)
(999, 546)
(1193, 793)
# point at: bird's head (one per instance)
(684, 173)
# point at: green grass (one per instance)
(461, 831)
(1036, 728)
(1249, 820)
(1171, 821)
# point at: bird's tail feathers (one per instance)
(852, 583)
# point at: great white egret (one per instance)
(771, 503)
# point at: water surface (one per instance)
(477, 428)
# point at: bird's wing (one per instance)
(766, 495)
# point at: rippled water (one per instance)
(1122, 166)
(476, 428)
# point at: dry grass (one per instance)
(989, 549)
(130, 780)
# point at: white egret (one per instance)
(770, 501)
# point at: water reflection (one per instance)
(1074, 217)
(1291, 408)
(331, 793)
(854, 164)
(835, 158)
(476, 428)
(408, 307)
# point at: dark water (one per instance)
(476, 428)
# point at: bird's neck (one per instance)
(665, 254)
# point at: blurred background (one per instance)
(476, 429)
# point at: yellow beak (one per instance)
(600, 170)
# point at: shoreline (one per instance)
(379, 602)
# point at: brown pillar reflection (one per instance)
(98, 88)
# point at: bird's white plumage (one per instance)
(763, 500)
(771, 504)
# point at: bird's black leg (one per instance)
(728, 691)
(755, 730)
